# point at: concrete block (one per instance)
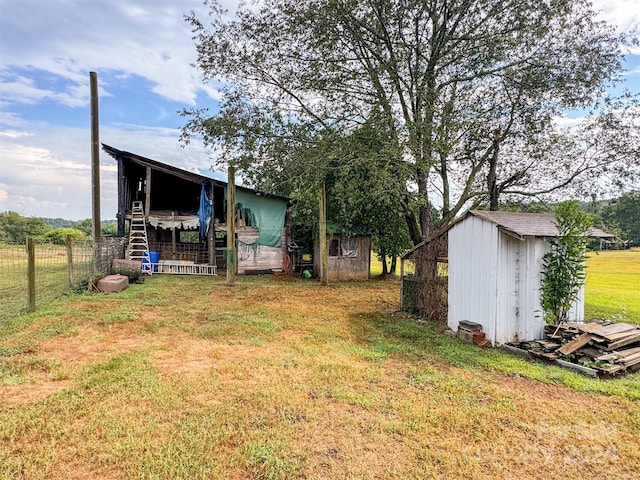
(113, 283)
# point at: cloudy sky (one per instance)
(141, 51)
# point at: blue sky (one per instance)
(142, 51)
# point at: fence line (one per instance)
(52, 270)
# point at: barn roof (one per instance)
(177, 172)
(523, 224)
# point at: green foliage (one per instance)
(14, 228)
(623, 215)
(85, 226)
(59, 235)
(564, 267)
(305, 77)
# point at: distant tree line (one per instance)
(15, 228)
(619, 216)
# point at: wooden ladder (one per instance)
(138, 244)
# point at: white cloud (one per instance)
(145, 38)
(23, 90)
(624, 14)
(47, 172)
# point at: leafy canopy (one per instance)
(454, 82)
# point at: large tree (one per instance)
(458, 82)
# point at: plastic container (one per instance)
(154, 257)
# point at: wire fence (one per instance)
(53, 270)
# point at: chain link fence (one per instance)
(36, 273)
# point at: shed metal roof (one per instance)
(517, 224)
(523, 224)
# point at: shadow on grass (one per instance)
(383, 335)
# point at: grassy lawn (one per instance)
(613, 285)
(275, 378)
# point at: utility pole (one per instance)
(95, 158)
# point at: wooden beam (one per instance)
(322, 208)
(147, 198)
(173, 236)
(122, 200)
(575, 344)
(211, 233)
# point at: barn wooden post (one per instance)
(211, 233)
(95, 158)
(173, 236)
(231, 226)
(147, 197)
(322, 207)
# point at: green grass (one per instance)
(613, 286)
(274, 378)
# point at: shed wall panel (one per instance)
(472, 274)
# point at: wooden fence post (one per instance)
(31, 275)
(69, 245)
(322, 208)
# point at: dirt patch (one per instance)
(31, 392)
(93, 344)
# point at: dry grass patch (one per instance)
(283, 379)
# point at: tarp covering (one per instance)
(204, 212)
(179, 222)
(267, 214)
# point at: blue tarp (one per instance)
(204, 212)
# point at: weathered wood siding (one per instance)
(344, 269)
(494, 280)
(260, 258)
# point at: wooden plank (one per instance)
(548, 344)
(608, 357)
(614, 368)
(619, 336)
(607, 330)
(589, 327)
(631, 360)
(575, 344)
(628, 352)
(621, 343)
(589, 352)
(550, 355)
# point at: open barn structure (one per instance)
(186, 218)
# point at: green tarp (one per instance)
(267, 214)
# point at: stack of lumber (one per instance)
(608, 348)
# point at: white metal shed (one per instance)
(495, 259)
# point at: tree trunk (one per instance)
(383, 259)
(394, 262)
(492, 184)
